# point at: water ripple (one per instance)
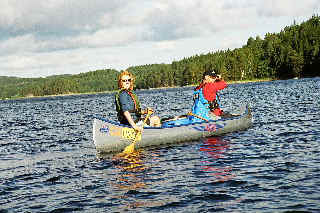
(49, 164)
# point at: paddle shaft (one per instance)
(197, 116)
(129, 149)
(144, 121)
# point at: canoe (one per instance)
(110, 136)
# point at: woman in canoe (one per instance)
(206, 104)
(128, 106)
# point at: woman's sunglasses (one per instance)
(126, 80)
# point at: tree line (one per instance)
(293, 52)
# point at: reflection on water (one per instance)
(215, 148)
(130, 170)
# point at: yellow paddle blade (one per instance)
(137, 137)
(129, 149)
(129, 133)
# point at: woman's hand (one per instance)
(147, 111)
(137, 128)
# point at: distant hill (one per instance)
(94, 81)
(293, 52)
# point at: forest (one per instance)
(293, 52)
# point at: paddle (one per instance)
(197, 116)
(172, 118)
(130, 149)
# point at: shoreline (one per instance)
(157, 88)
(228, 82)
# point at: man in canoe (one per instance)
(206, 105)
(128, 105)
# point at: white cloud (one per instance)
(274, 8)
(36, 36)
(15, 44)
(165, 45)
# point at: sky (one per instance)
(53, 37)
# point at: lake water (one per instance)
(48, 162)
